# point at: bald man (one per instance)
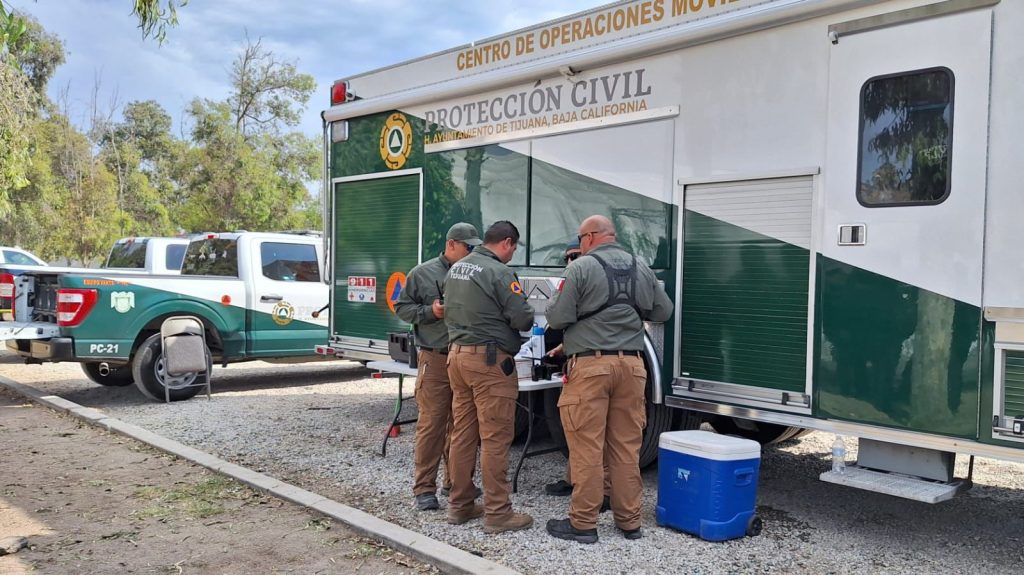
(603, 303)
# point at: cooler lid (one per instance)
(714, 445)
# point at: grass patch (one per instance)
(198, 500)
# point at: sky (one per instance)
(329, 39)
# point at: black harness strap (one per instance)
(621, 287)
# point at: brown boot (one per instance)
(459, 518)
(514, 522)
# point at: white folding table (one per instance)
(525, 385)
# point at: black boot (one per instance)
(563, 529)
(560, 488)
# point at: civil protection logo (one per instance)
(395, 141)
(122, 301)
(283, 313)
(396, 283)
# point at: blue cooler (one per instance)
(707, 484)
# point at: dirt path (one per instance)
(93, 502)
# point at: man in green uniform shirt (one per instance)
(422, 304)
(605, 298)
(485, 309)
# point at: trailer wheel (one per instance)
(152, 379)
(763, 433)
(754, 526)
(117, 377)
(659, 420)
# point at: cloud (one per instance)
(328, 39)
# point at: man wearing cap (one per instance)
(605, 298)
(421, 303)
(485, 311)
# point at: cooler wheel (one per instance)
(754, 526)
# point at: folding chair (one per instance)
(183, 340)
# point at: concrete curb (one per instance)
(445, 557)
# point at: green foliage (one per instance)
(68, 195)
(267, 93)
(16, 109)
(155, 16)
(12, 27)
(37, 53)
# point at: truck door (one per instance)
(900, 268)
(377, 226)
(287, 287)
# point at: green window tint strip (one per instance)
(1013, 384)
(376, 230)
(744, 308)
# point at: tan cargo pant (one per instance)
(434, 423)
(483, 407)
(602, 410)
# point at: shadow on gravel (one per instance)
(984, 525)
(224, 381)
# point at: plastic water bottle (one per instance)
(537, 341)
(839, 455)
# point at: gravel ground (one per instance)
(320, 426)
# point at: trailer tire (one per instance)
(118, 376)
(659, 420)
(764, 433)
(147, 367)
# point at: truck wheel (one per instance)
(152, 379)
(659, 420)
(116, 377)
(763, 433)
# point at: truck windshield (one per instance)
(211, 257)
(127, 254)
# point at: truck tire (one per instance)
(117, 377)
(659, 420)
(151, 379)
(763, 433)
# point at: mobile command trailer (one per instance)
(829, 188)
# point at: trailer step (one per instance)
(895, 484)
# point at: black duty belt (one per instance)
(440, 350)
(600, 352)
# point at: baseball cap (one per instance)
(574, 244)
(463, 232)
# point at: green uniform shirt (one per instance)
(484, 302)
(415, 301)
(585, 290)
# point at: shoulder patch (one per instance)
(516, 288)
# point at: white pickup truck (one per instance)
(151, 255)
(256, 294)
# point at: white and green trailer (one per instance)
(828, 188)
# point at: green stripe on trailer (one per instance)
(744, 307)
(893, 354)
